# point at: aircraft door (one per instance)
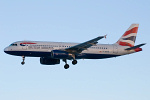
(115, 49)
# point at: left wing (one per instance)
(83, 46)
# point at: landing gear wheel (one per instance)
(22, 63)
(66, 66)
(74, 62)
(23, 58)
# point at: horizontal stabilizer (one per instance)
(134, 47)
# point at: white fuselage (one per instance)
(36, 48)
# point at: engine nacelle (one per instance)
(49, 61)
(58, 54)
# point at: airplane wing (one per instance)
(83, 46)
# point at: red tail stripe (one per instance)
(124, 44)
(133, 30)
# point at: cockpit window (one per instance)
(13, 44)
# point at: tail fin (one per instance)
(129, 37)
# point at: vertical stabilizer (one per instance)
(129, 37)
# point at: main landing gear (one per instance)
(23, 58)
(66, 66)
(74, 62)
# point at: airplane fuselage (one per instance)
(43, 49)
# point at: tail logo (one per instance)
(129, 37)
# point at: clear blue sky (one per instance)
(121, 78)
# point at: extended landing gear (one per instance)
(66, 66)
(23, 57)
(74, 62)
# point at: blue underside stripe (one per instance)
(48, 54)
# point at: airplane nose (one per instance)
(6, 49)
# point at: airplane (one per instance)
(51, 53)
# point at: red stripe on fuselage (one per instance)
(27, 43)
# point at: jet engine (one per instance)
(58, 54)
(49, 61)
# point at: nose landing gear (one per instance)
(23, 57)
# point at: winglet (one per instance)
(105, 36)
